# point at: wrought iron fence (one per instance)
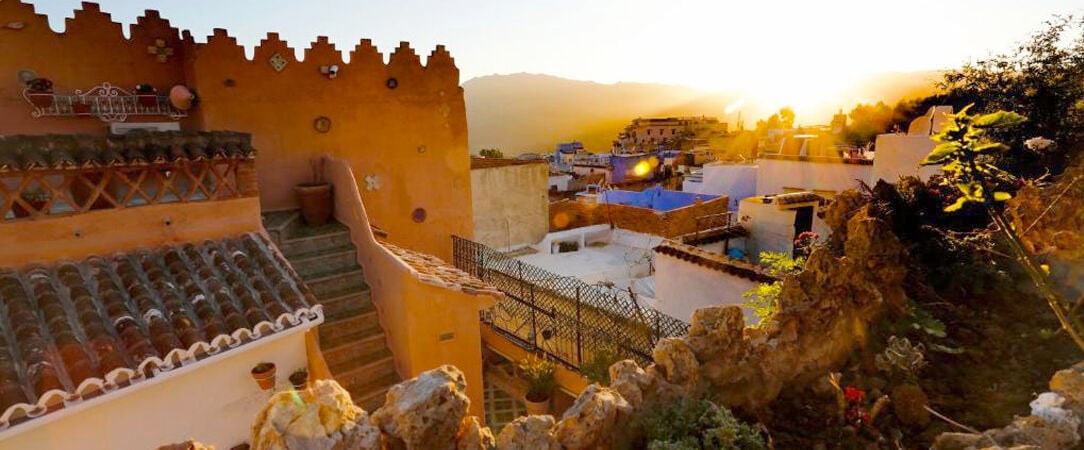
(571, 321)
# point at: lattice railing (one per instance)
(40, 193)
(564, 317)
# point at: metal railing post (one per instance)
(579, 337)
(534, 317)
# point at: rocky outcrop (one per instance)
(528, 433)
(425, 412)
(472, 435)
(320, 418)
(589, 423)
(1049, 218)
(1055, 422)
(823, 314)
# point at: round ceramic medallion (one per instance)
(322, 124)
(392, 83)
(418, 215)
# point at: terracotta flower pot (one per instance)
(300, 379)
(264, 374)
(315, 202)
(41, 99)
(537, 408)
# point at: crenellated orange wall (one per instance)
(413, 138)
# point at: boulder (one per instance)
(528, 433)
(589, 423)
(629, 380)
(675, 359)
(320, 418)
(425, 412)
(473, 436)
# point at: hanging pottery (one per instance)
(181, 97)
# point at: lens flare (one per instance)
(642, 168)
(735, 105)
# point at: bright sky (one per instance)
(786, 47)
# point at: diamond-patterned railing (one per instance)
(40, 193)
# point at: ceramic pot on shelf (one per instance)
(315, 202)
(264, 374)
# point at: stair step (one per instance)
(358, 378)
(334, 336)
(372, 395)
(336, 258)
(348, 305)
(321, 268)
(354, 350)
(345, 362)
(366, 323)
(335, 284)
(293, 246)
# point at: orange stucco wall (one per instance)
(413, 138)
(427, 326)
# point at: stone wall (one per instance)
(568, 214)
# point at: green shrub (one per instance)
(597, 367)
(698, 424)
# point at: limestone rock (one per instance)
(628, 379)
(676, 361)
(473, 436)
(589, 423)
(716, 330)
(425, 412)
(528, 433)
(187, 445)
(321, 418)
(1070, 384)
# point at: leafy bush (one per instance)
(541, 377)
(764, 299)
(697, 424)
(597, 367)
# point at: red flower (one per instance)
(854, 395)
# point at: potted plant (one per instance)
(40, 92)
(36, 198)
(264, 374)
(147, 95)
(300, 378)
(314, 197)
(541, 377)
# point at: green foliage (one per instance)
(963, 141)
(541, 377)
(764, 299)
(697, 424)
(1041, 79)
(597, 367)
(869, 120)
(491, 153)
(901, 358)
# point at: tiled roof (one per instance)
(435, 271)
(71, 330)
(715, 261)
(73, 151)
(486, 163)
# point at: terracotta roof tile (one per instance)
(436, 271)
(73, 330)
(715, 261)
(68, 152)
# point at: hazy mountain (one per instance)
(527, 112)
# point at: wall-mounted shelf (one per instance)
(106, 102)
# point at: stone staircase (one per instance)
(351, 337)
